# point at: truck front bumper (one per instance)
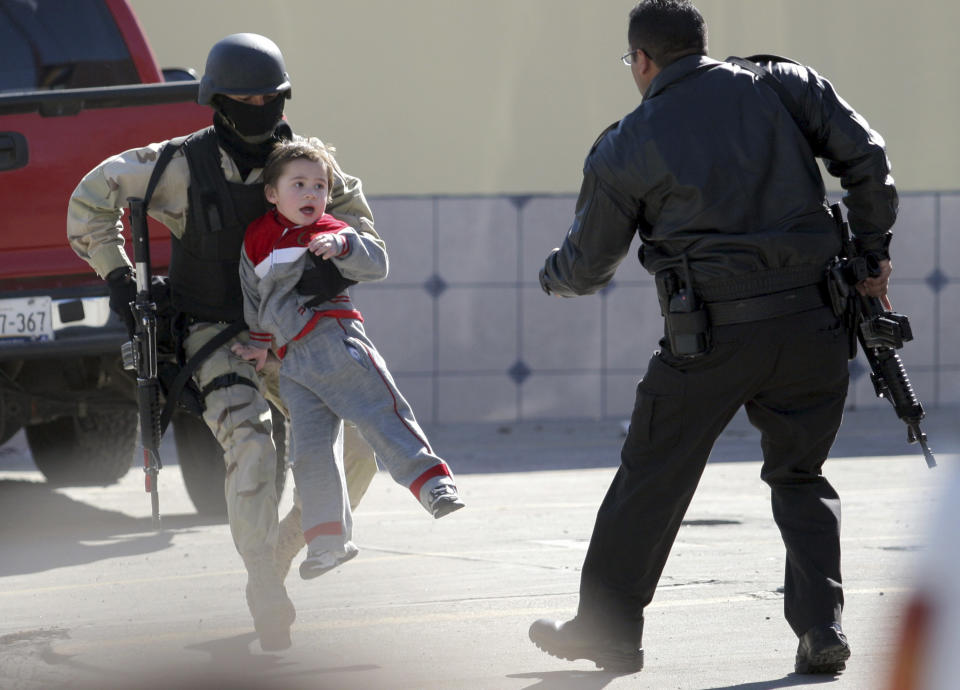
(81, 326)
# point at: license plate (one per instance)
(26, 319)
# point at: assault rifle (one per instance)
(140, 355)
(880, 333)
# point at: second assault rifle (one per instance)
(880, 333)
(140, 355)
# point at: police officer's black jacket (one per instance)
(711, 165)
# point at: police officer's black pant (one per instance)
(791, 374)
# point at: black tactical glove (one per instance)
(322, 279)
(123, 291)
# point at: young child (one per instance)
(296, 264)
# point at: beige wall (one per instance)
(506, 96)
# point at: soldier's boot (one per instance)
(289, 541)
(273, 612)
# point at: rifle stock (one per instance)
(141, 355)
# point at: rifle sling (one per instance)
(767, 77)
(191, 366)
(166, 153)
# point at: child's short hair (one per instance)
(311, 149)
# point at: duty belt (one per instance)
(766, 306)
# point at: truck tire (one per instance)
(93, 450)
(201, 461)
(7, 430)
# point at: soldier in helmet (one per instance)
(206, 188)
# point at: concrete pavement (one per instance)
(92, 598)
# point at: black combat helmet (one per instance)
(243, 64)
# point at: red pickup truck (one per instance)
(78, 82)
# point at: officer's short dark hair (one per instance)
(667, 30)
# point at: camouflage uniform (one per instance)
(238, 415)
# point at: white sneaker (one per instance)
(444, 499)
(318, 562)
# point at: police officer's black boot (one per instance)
(822, 649)
(574, 639)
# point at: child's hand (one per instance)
(254, 354)
(272, 365)
(327, 245)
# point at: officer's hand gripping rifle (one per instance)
(880, 333)
(140, 355)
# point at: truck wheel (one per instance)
(93, 450)
(201, 461)
(7, 430)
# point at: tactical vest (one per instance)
(205, 261)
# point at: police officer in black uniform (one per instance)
(716, 171)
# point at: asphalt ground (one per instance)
(92, 597)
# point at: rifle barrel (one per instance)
(921, 438)
(145, 342)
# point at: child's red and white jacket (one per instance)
(272, 262)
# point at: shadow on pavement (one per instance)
(233, 665)
(567, 680)
(43, 529)
(790, 681)
(234, 653)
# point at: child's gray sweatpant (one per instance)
(333, 373)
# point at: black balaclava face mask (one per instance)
(233, 118)
(252, 121)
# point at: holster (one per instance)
(189, 397)
(183, 390)
(686, 319)
(842, 276)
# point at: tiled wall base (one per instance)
(469, 335)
